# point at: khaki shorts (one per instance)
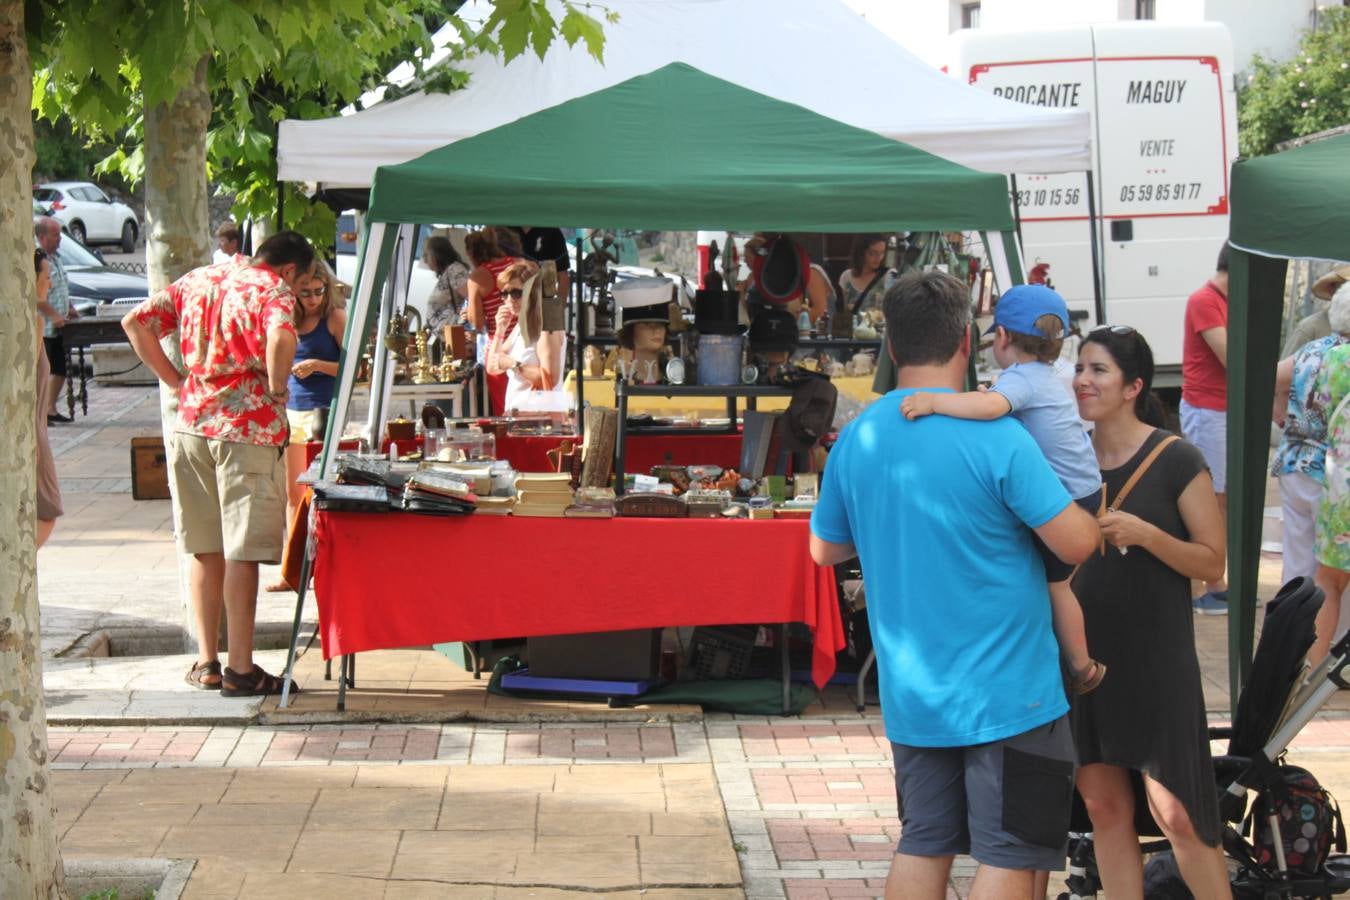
(307, 424)
(230, 498)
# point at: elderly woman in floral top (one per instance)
(1299, 460)
(1313, 465)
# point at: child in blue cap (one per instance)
(1030, 322)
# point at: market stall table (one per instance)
(389, 580)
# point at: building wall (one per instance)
(1269, 27)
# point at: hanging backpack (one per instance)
(1310, 822)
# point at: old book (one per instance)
(602, 429)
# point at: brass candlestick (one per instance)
(423, 371)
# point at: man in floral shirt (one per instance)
(235, 327)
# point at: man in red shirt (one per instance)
(1204, 399)
(235, 327)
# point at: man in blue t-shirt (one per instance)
(940, 512)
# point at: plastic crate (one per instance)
(722, 651)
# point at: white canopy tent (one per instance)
(818, 54)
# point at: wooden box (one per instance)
(149, 469)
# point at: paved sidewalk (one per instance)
(733, 806)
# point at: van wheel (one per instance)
(76, 230)
(128, 236)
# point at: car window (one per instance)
(74, 256)
(80, 193)
(46, 195)
(95, 195)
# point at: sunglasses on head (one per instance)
(514, 293)
(1114, 329)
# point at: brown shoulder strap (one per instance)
(1139, 472)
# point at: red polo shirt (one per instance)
(1204, 380)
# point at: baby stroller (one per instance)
(1264, 862)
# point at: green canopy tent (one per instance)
(1290, 205)
(674, 149)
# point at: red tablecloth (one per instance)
(401, 580)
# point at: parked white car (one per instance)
(88, 214)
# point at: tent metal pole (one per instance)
(1099, 302)
(289, 675)
(1017, 209)
(578, 313)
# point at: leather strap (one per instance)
(1128, 486)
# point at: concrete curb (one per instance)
(129, 877)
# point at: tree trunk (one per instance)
(177, 223)
(178, 233)
(30, 859)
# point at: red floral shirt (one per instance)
(223, 314)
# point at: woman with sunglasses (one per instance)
(529, 357)
(319, 327)
(1142, 736)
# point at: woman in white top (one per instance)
(530, 357)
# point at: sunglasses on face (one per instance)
(313, 292)
(514, 293)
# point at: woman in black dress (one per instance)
(1142, 734)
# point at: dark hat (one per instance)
(780, 270)
(773, 330)
(715, 312)
(810, 413)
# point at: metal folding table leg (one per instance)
(862, 678)
(342, 683)
(786, 663)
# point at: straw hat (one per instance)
(1325, 286)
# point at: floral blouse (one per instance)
(1303, 448)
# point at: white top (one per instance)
(520, 394)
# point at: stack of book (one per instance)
(438, 493)
(542, 494)
(592, 503)
(495, 506)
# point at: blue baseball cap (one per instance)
(1020, 307)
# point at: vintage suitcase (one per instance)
(149, 469)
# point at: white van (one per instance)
(1164, 127)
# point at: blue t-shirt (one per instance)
(1040, 403)
(939, 510)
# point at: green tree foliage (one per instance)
(102, 64)
(1308, 94)
(61, 153)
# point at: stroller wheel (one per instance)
(1162, 879)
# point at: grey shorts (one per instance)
(1207, 429)
(1006, 803)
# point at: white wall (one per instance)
(1270, 27)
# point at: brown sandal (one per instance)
(204, 676)
(257, 683)
(1088, 680)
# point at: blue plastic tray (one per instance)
(524, 681)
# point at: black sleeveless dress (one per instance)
(1149, 713)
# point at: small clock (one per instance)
(675, 371)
